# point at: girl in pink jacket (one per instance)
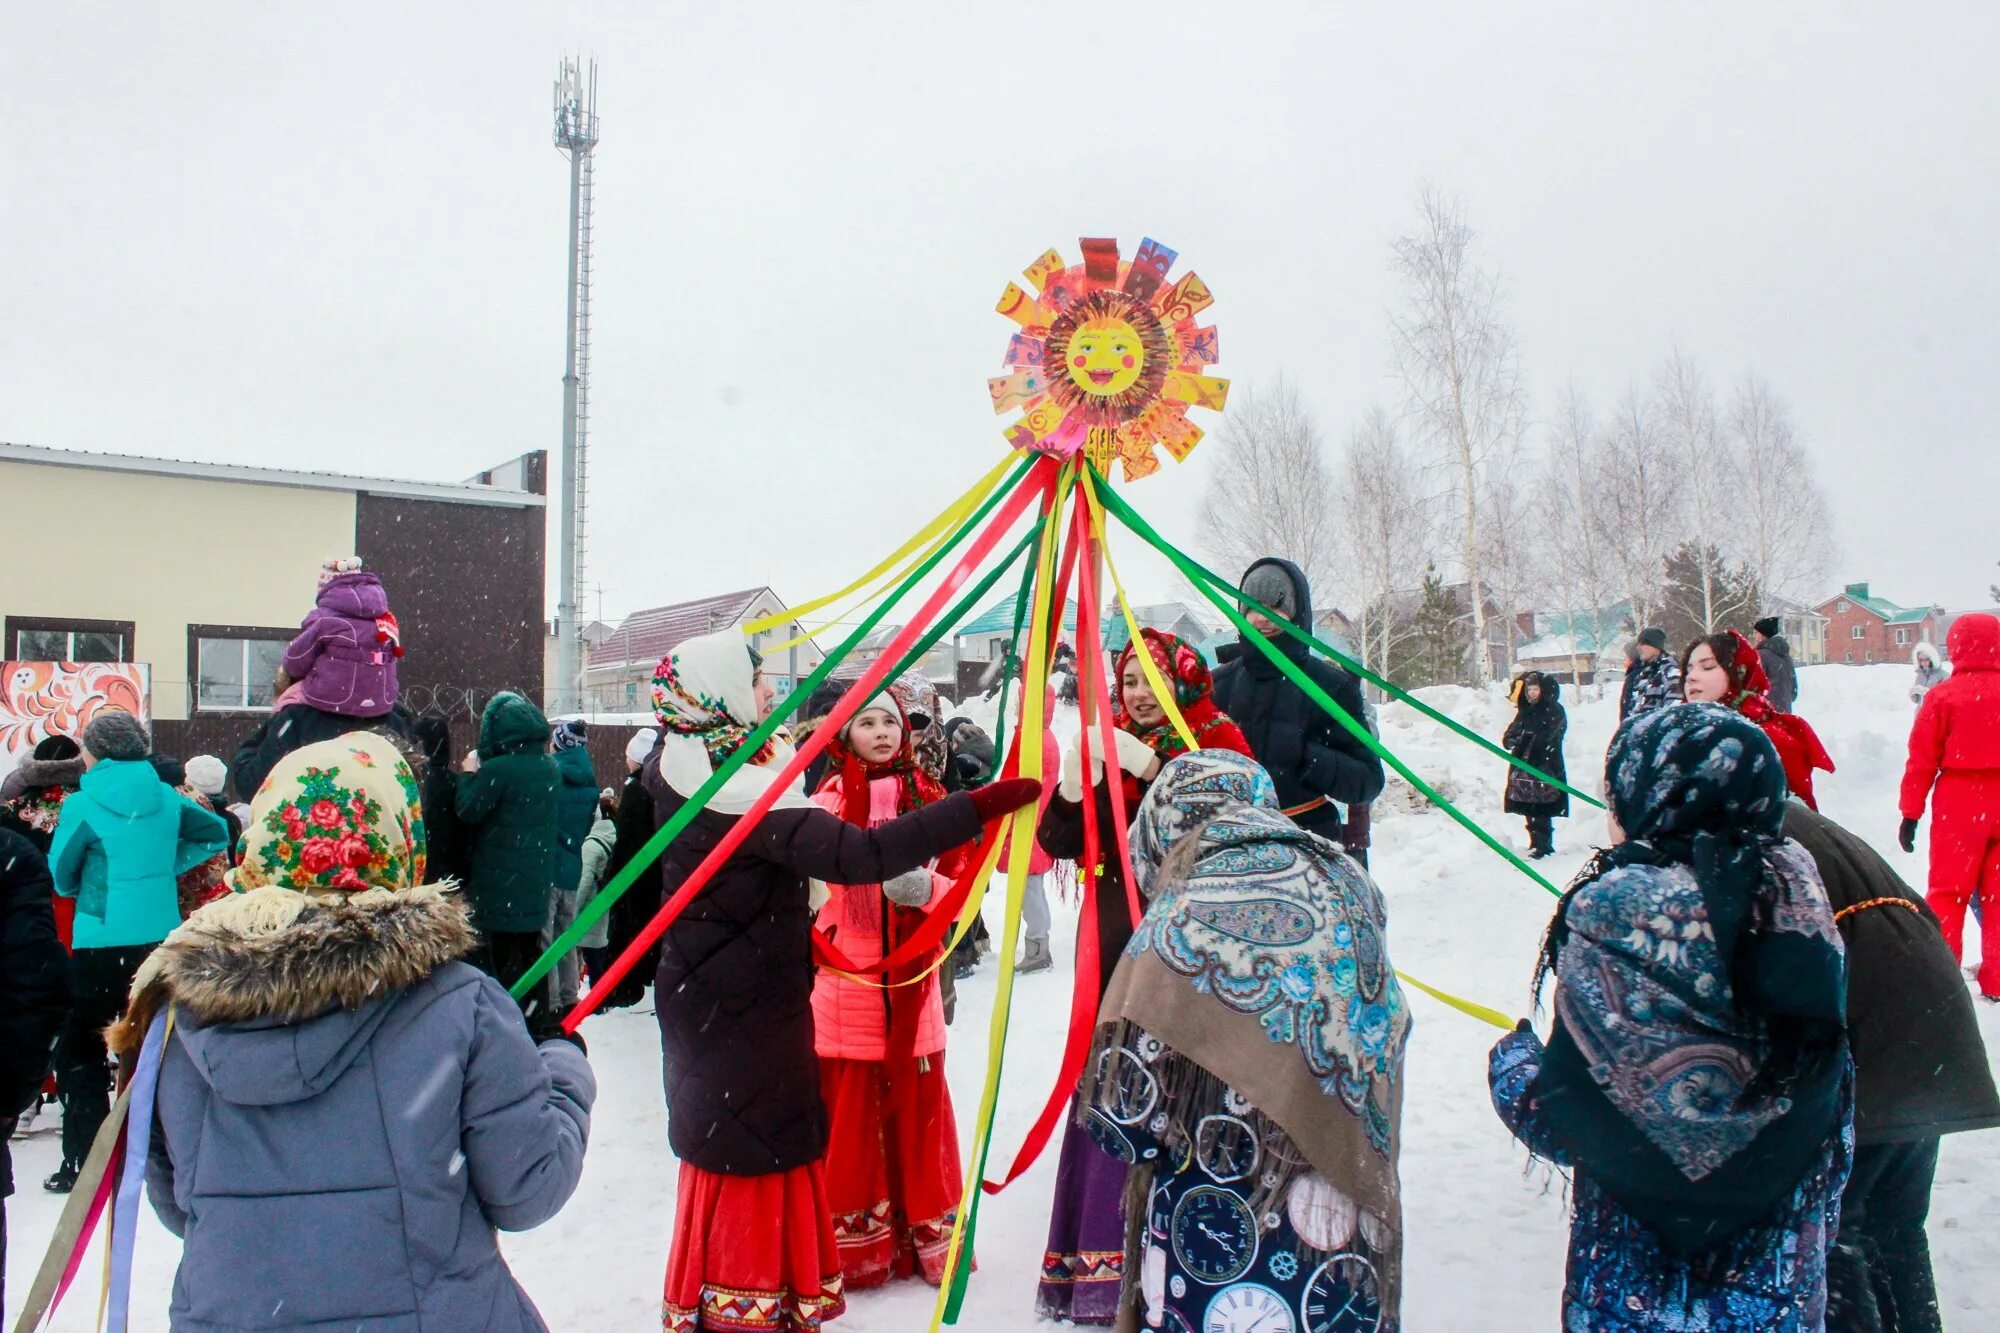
(893, 1175)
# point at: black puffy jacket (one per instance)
(1308, 754)
(34, 984)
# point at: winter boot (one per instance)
(1035, 958)
(64, 1180)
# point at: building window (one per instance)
(1902, 636)
(1859, 632)
(1842, 608)
(37, 639)
(231, 667)
(1848, 658)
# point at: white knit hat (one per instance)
(641, 745)
(207, 774)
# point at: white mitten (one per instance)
(1070, 785)
(1134, 755)
(912, 888)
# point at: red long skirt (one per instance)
(752, 1254)
(893, 1175)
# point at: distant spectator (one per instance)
(507, 798)
(344, 658)
(34, 995)
(123, 840)
(1932, 671)
(576, 815)
(1657, 681)
(1775, 652)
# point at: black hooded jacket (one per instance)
(1308, 754)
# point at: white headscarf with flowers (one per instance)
(705, 695)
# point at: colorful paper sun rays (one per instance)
(1108, 358)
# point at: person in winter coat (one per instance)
(293, 726)
(576, 815)
(347, 1114)
(344, 658)
(450, 852)
(1318, 765)
(1655, 682)
(1251, 1073)
(34, 998)
(1628, 689)
(745, 1113)
(1083, 1264)
(1920, 1072)
(1697, 1079)
(507, 801)
(31, 801)
(597, 851)
(209, 777)
(639, 903)
(1954, 763)
(1932, 671)
(1774, 653)
(1536, 735)
(893, 1175)
(124, 839)
(1725, 669)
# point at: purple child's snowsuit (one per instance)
(345, 654)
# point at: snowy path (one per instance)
(1485, 1241)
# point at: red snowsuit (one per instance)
(1956, 744)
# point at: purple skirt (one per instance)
(1083, 1269)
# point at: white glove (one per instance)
(912, 888)
(1070, 786)
(1134, 755)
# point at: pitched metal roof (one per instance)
(647, 636)
(999, 619)
(1893, 613)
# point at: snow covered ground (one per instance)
(1485, 1239)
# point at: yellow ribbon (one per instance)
(1464, 1006)
(953, 515)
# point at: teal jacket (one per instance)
(509, 810)
(576, 814)
(123, 839)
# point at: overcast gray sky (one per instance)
(332, 236)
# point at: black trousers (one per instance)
(100, 980)
(1541, 833)
(1879, 1270)
(506, 958)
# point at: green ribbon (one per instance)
(780, 713)
(1132, 520)
(1298, 677)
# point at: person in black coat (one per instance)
(34, 997)
(31, 797)
(1775, 653)
(635, 822)
(1536, 735)
(294, 728)
(1317, 764)
(1920, 1072)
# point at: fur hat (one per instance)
(1770, 627)
(116, 734)
(334, 566)
(1272, 586)
(1653, 637)
(56, 747)
(570, 733)
(208, 774)
(641, 745)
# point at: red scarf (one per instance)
(1799, 747)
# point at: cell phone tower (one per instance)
(576, 138)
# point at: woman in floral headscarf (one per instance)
(1697, 1078)
(1726, 669)
(1084, 1262)
(753, 1244)
(1250, 1067)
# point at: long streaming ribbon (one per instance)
(1009, 510)
(1028, 748)
(138, 1145)
(608, 896)
(1293, 672)
(979, 491)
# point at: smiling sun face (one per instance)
(1106, 357)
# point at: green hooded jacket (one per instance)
(576, 814)
(509, 810)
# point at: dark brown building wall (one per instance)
(465, 582)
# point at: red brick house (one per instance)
(1864, 628)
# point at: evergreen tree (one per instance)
(1434, 651)
(1737, 598)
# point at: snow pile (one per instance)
(1485, 1237)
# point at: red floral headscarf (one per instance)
(1194, 693)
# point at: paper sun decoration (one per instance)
(1108, 358)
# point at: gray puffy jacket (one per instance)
(350, 1170)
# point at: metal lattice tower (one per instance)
(576, 137)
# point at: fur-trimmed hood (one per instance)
(272, 958)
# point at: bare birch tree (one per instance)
(1685, 411)
(1642, 502)
(1509, 542)
(1788, 542)
(1272, 491)
(1457, 359)
(1577, 522)
(1387, 532)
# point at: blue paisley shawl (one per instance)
(1261, 959)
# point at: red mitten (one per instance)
(1005, 797)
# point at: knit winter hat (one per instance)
(1654, 637)
(334, 566)
(341, 816)
(570, 733)
(884, 701)
(1272, 586)
(1770, 627)
(208, 774)
(116, 734)
(641, 744)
